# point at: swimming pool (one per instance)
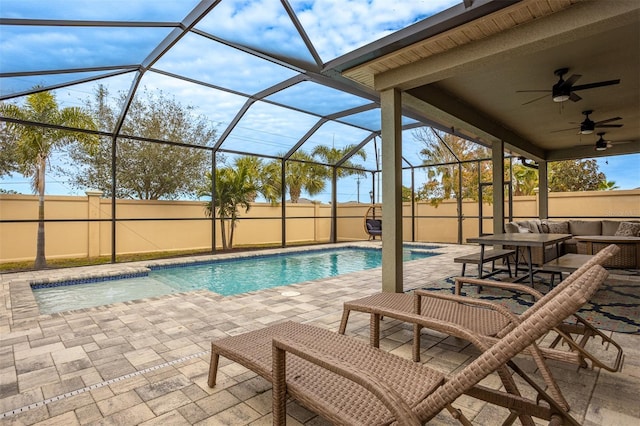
(226, 277)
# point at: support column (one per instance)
(497, 160)
(543, 190)
(93, 212)
(334, 205)
(391, 104)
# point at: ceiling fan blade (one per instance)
(598, 84)
(574, 97)
(562, 130)
(608, 120)
(536, 99)
(608, 125)
(569, 82)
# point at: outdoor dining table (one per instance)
(517, 240)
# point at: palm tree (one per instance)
(34, 144)
(333, 155)
(526, 180)
(253, 167)
(233, 189)
(300, 174)
(437, 154)
(608, 185)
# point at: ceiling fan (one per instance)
(602, 144)
(564, 90)
(588, 126)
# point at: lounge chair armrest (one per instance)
(442, 326)
(418, 294)
(497, 284)
(389, 397)
(580, 347)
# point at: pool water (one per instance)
(225, 277)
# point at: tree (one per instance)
(608, 185)
(146, 170)
(575, 175)
(564, 176)
(333, 155)
(253, 167)
(8, 153)
(233, 189)
(406, 194)
(443, 177)
(300, 174)
(525, 180)
(34, 145)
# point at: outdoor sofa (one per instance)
(624, 233)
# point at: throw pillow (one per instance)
(628, 229)
(558, 227)
(523, 230)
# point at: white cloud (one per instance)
(337, 26)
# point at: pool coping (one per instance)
(22, 308)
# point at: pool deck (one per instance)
(146, 361)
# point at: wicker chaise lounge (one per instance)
(349, 382)
(475, 315)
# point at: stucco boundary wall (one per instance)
(81, 225)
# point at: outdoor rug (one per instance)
(615, 306)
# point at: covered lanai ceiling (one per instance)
(470, 77)
(277, 76)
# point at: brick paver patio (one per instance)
(146, 361)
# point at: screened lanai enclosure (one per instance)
(156, 105)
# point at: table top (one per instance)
(521, 239)
(608, 238)
(567, 263)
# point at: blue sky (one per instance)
(335, 27)
(624, 170)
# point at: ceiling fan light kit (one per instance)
(586, 130)
(560, 97)
(601, 144)
(587, 126)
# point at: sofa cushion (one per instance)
(524, 230)
(517, 227)
(510, 228)
(609, 227)
(532, 225)
(585, 227)
(628, 229)
(550, 227)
